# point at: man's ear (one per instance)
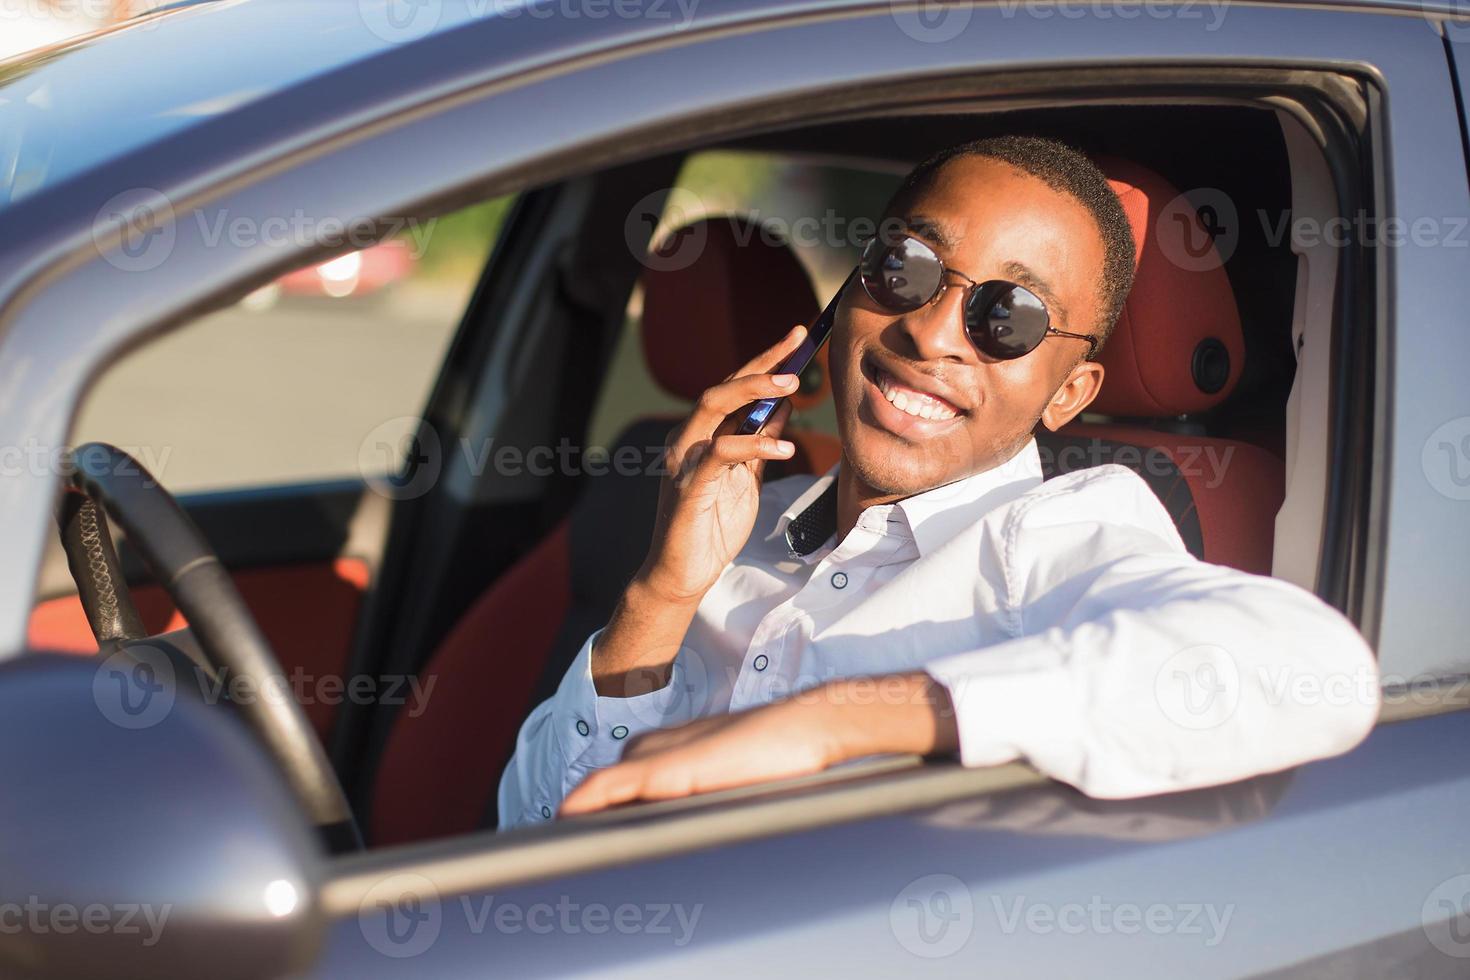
(1083, 383)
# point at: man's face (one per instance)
(989, 221)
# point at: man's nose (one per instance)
(937, 330)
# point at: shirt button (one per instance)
(620, 732)
(762, 662)
(582, 728)
(839, 580)
(546, 812)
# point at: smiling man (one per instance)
(932, 594)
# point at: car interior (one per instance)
(488, 582)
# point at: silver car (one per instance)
(329, 425)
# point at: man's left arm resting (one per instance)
(1166, 674)
(846, 719)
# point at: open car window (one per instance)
(822, 207)
(319, 376)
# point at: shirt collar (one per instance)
(932, 517)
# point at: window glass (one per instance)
(318, 376)
(823, 208)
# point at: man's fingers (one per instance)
(663, 739)
(727, 397)
(775, 425)
(751, 383)
(709, 460)
(602, 789)
(730, 450)
(769, 359)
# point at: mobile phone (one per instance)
(800, 359)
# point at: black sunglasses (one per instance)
(1004, 320)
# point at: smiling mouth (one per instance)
(910, 401)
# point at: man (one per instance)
(932, 595)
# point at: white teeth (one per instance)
(911, 402)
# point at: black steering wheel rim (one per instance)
(104, 480)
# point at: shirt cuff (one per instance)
(1012, 703)
(593, 730)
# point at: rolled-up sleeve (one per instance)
(1138, 669)
(576, 731)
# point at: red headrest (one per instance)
(1177, 347)
(716, 293)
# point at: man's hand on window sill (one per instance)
(804, 734)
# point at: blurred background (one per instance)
(34, 23)
(307, 376)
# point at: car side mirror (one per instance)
(143, 834)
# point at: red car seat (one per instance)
(740, 289)
(1177, 351)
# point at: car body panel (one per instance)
(1038, 882)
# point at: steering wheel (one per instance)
(106, 482)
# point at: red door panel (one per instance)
(307, 611)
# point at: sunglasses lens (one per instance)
(900, 275)
(1005, 321)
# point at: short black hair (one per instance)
(1065, 169)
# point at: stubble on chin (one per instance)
(887, 477)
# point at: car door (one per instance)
(281, 423)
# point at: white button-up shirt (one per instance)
(1065, 618)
